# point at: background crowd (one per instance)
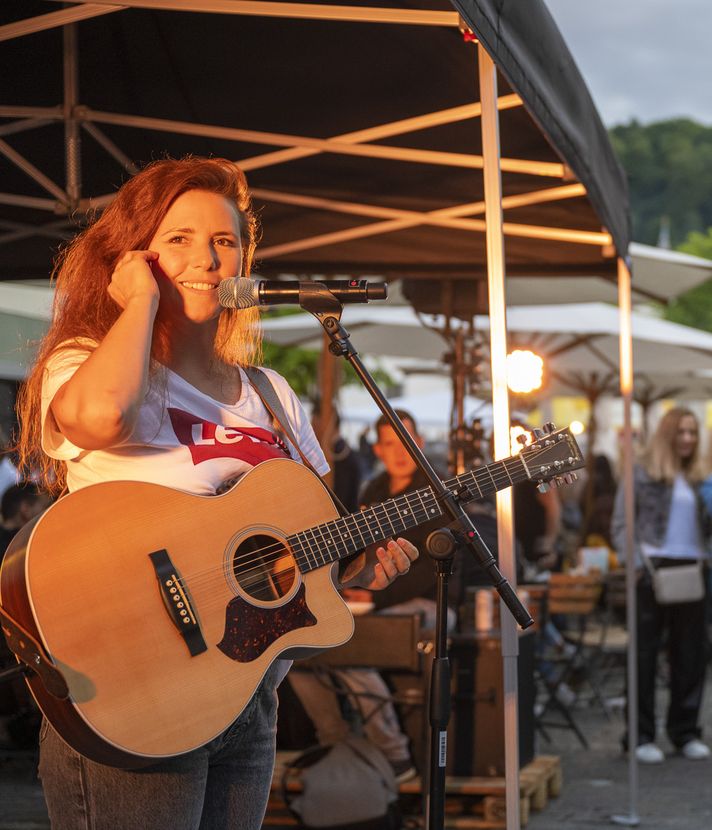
(673, 505)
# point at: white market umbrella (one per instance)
(658, 274)
(25, 311)
(574, 337)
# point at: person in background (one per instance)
(597, 507)
(345, 462)
(141, 377)
(414, 595)
(9, 474)
(19, 718)
(365, 451)
(20, 503)
(537, 525)
(672, 528)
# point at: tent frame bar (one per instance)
(42, 22)
(324, 145)
(302, 11)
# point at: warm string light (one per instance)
(525, 371)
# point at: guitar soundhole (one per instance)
(264, 568)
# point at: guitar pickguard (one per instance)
(250, 630)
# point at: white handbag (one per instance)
(673, 584)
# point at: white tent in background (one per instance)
(25, 310)
(573, 338)
(658, 274)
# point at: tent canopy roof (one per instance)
(361, 140)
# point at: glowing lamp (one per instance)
(525, 371)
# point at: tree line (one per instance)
(669, 169)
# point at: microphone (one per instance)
(241, 292)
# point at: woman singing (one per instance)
(139, 358)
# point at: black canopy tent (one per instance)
(358, 127)
(361, 142)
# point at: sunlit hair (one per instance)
(83, 269)
(661, 459)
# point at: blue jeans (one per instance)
(224, 784)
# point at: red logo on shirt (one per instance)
(206, 440)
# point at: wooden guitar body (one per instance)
(92, 597)
(163, 610)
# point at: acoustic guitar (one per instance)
(163, 610)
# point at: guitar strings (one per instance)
(261, 556)
(256, 560)
(251, 574)
(369, 521)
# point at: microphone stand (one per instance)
(440, 545)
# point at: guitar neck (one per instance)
(342, 537)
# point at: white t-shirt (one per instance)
(192, 442)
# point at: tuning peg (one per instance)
(538, 433)
(569, 478)
(543, 487)
(522, 439)
(549, 427)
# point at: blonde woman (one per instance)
(672, 528)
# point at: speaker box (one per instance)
(476, 729)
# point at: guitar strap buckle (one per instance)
(33, 656)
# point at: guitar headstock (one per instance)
(552, 457)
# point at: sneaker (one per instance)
(566, 695)
(403, 770)
(695, 750)
(650, 754)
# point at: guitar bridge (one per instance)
(175, 598)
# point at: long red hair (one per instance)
(83, 270)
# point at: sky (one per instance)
(645, 59)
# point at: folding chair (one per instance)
(571, 600)
(608, 639)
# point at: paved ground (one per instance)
(676, 794)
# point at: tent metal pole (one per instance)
(380, 131)
(27, 167)
(470, 161)
(42, 22)
(631, 819)
(72, 138)
(374, 228)
(452, 217)
(500, 411)
(34, 202)
(306, 11)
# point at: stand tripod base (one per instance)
(626, 821)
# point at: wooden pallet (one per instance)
(471, 803)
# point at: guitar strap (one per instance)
(268, 395)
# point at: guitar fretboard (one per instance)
(342, 537)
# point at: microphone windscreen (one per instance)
(239, 292)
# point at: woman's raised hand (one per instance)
(133, 278)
